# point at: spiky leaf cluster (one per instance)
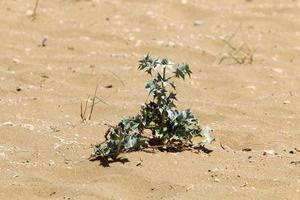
(169, 126)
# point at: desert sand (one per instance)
(245, 58)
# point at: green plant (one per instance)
(170, 129)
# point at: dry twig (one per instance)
(84, 109)
(35, 10)
(241, 54)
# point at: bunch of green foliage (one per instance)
(170, 128)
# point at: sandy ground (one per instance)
(44, 146)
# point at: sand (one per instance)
(245, 58)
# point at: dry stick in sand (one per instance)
(82, 113)
(35, 9)
(118, 78)
(84, 110)
(241, 55)
(93, 103)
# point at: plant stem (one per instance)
(164, 73)
(118, 148)
(164, 111)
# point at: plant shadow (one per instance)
(203, 149)
(104, 162)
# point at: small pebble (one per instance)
(198, 23)
(29, 13)
(15, 176)
(269, 152)
(16, 60)
(277, 70)
(51, 162)
(252, 87)
(247, 149)
(190, 187)
(28, 126)
(183, 1)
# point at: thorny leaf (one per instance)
(182, 70)
(133, 142)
